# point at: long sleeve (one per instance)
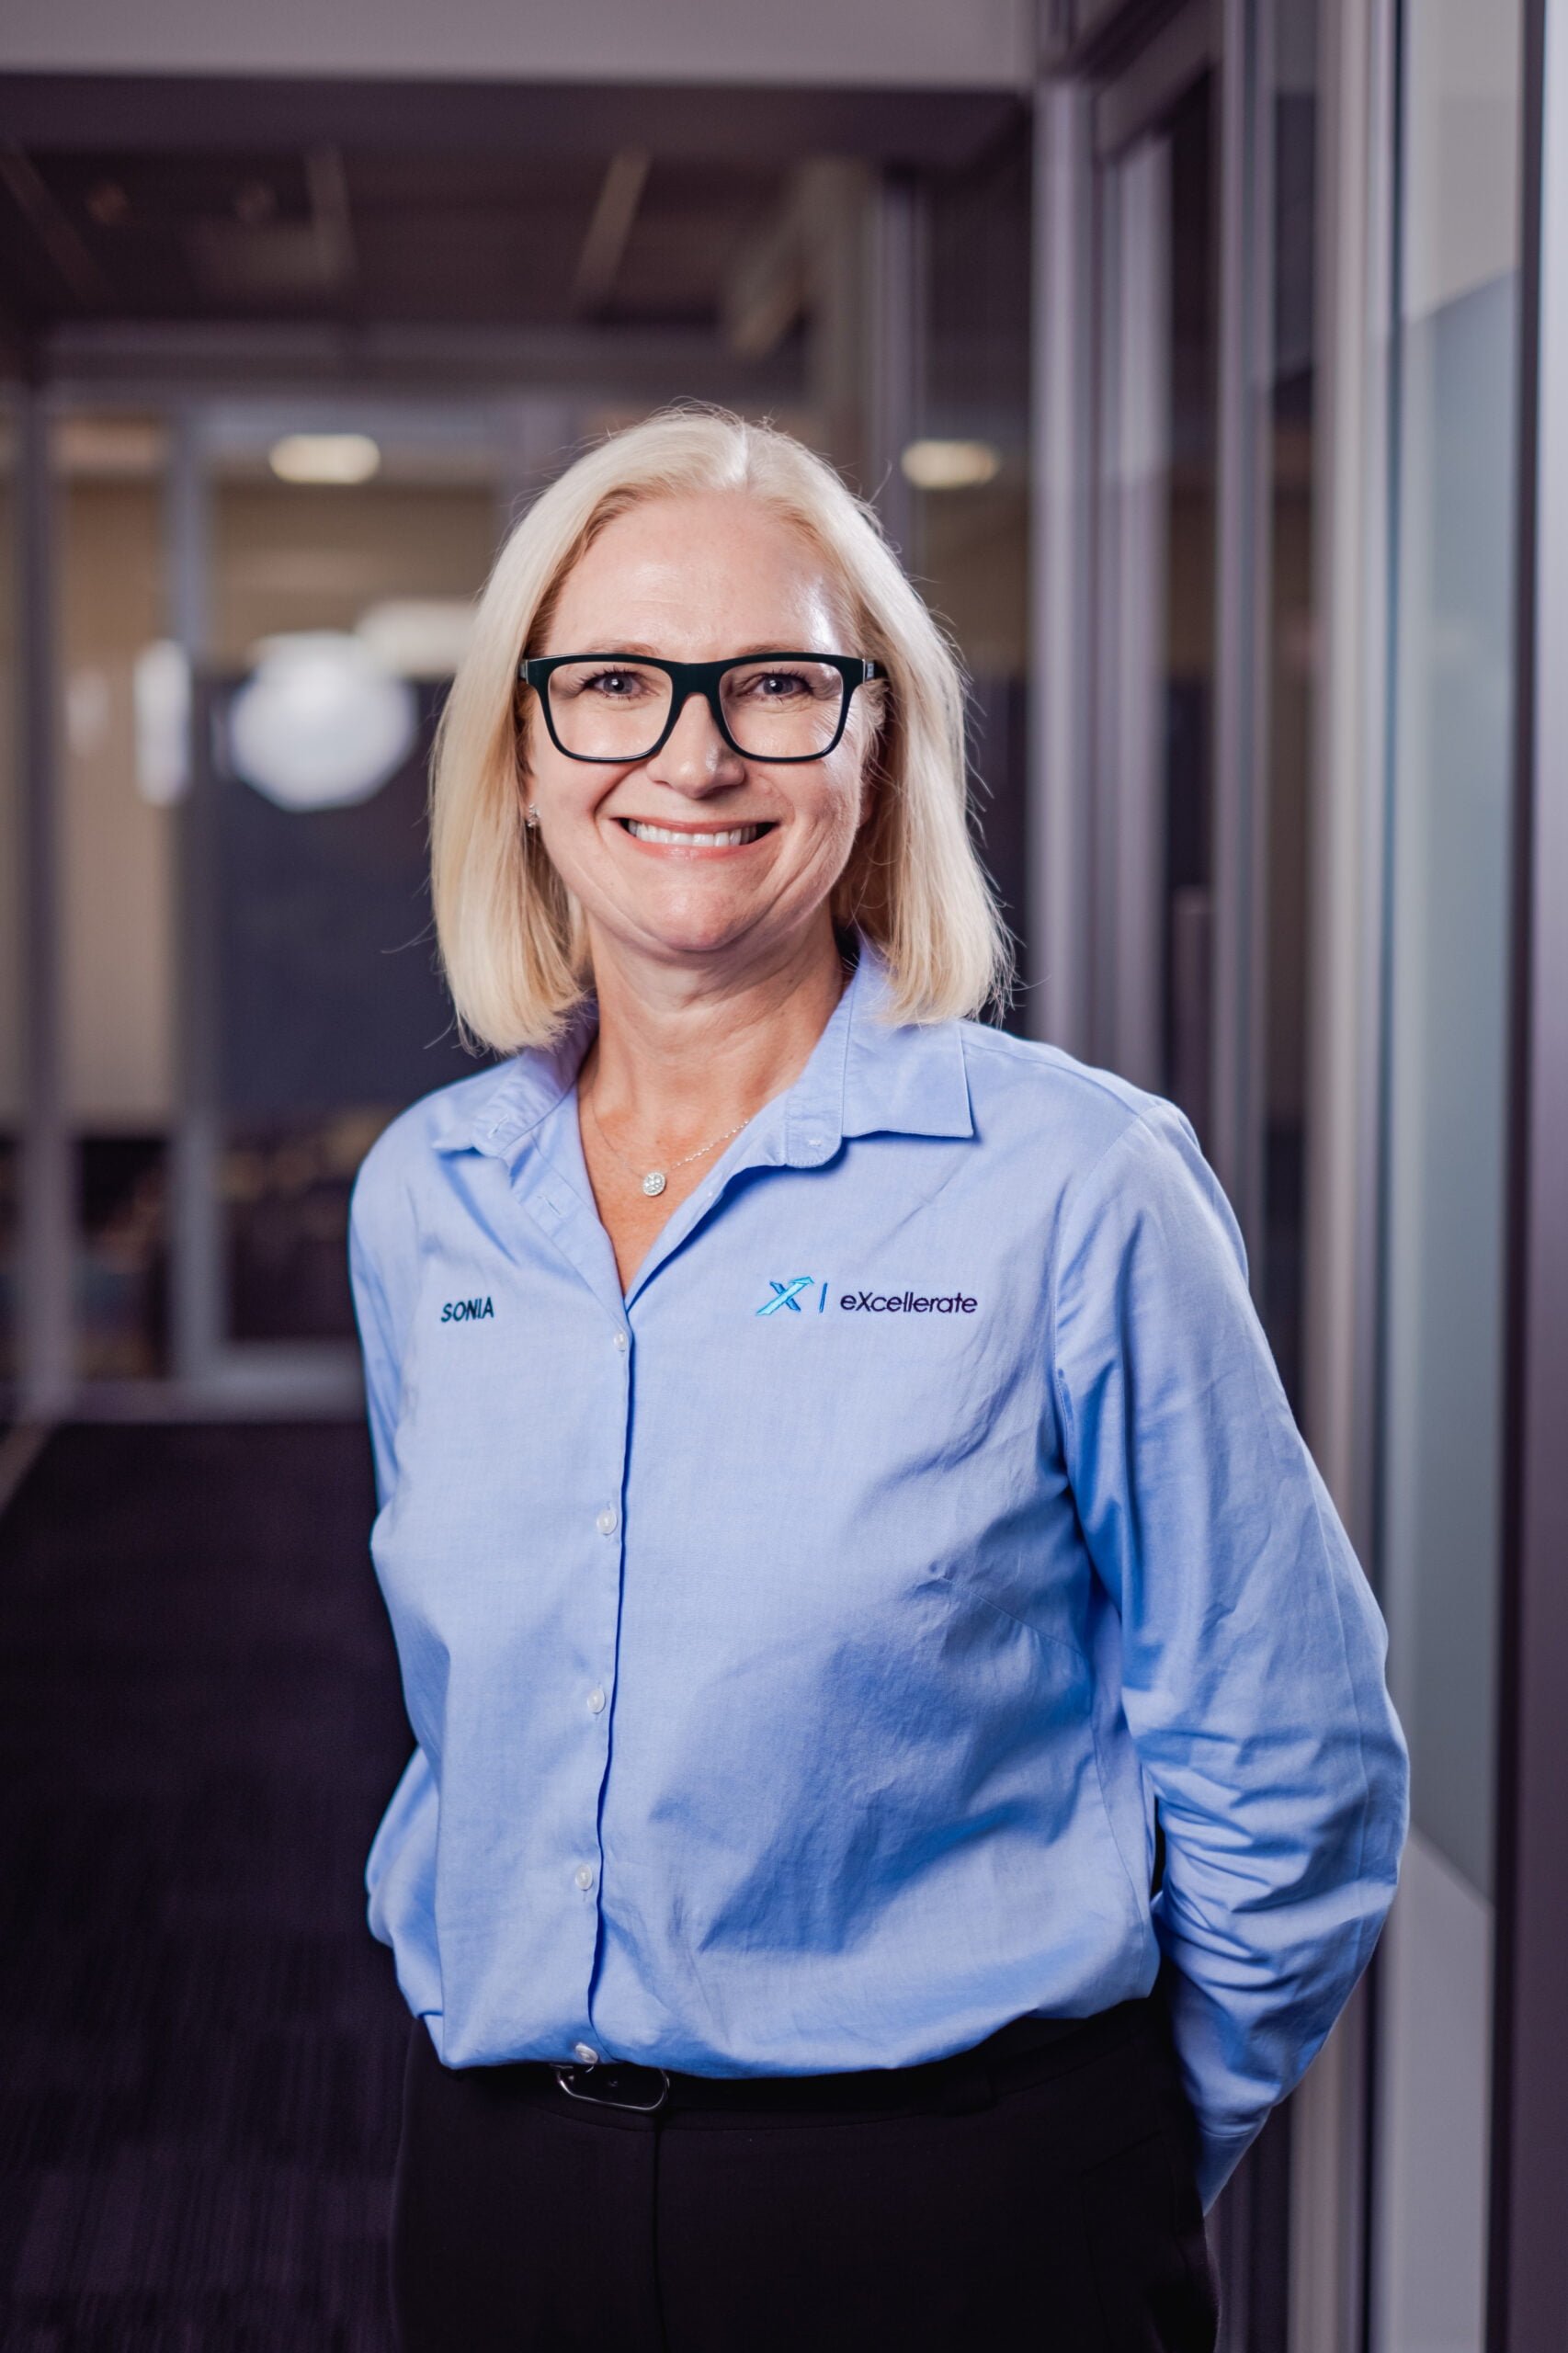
(1253, 1649)
(381, 1268)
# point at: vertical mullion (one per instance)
(1061, 570)
(1528, 2275)
(897, 356)
(1240, 689)
(1352, 573)
(48, 1188)
(197, 1239)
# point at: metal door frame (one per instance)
(1086, 115)
(1527, 2275)
(1097, 93)
(210, 1376)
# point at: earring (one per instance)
(530, 815)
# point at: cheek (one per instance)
(833, 816)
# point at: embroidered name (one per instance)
(467, 1311)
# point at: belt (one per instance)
(1025, 2051)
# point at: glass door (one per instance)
(330, 558)
(1445, 1126)
(1201, 311)
(1155, 650)
(260, 604)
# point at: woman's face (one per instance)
(699, 579)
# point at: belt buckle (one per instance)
(606, 2072)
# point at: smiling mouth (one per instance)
(684, 837)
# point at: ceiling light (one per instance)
(325, 457)
(950, 465)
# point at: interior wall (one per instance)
(303, 558)
(118, 847)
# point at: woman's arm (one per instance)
(382, 1251)
(1252, 1647)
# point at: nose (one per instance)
(696, 757)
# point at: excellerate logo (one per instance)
(789, 1295)
(804, 1293)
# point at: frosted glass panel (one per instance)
(1447, 1013)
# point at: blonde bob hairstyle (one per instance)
(512, 936)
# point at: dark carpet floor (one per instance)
(200, 2045)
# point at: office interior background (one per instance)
(1209, 365)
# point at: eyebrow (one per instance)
(632, 646)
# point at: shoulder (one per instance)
(1087, 1117)
(1119, 1161)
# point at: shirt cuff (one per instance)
(1218, 2154)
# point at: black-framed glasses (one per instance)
(775, 706)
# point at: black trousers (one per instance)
(1013, 2199)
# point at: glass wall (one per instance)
(968, 469)
(1287, 426)
(1158, 315)
(336, 613)
(10, 910)
(118, 879)
(1455, 385)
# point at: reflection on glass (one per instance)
(970, 483)
(1447, 1058)
(1287, 654)
(1155, 643)
(337, 611)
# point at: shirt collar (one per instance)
(865, 1076)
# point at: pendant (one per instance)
(653, 1182)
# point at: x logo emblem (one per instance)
(787, 1295)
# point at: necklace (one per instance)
(653, 1180)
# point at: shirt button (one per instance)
(586, 2054)
(596, 1701)
(606, 1522)
(620, 1340)
(584, 1877)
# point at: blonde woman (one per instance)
(835, 1493)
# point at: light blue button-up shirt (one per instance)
(799, 1642)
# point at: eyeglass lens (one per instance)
(617, 711)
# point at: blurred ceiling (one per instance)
(184, 202)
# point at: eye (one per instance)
(775, 685)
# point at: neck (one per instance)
(686, 1050)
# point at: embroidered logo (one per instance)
(907, 1303)
(467, 1311)
(789, 1295)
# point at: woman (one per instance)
(833, 1488)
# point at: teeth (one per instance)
(700, 841)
